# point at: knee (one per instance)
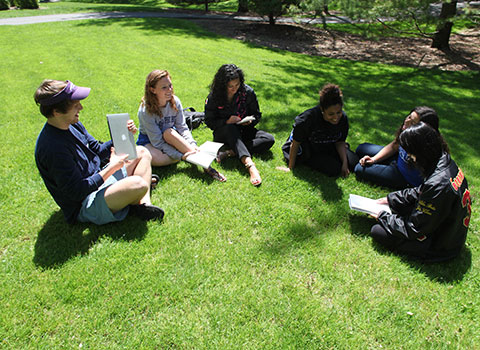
(143, 153)
(270, 140)
(363, 149)
(358, 170)
(138, 184)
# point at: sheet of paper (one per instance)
(208, 152)
(366, 205)
(246, 119)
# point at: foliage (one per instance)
(417, 13)
(4, 5)
(283, 266)
(272, 8)
(26, 4)
(193, 2)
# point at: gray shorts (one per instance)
(94, 208)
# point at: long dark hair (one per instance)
(425, 143)
(218, 88)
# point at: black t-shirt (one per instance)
(310, 128)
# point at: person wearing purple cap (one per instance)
(68, 159)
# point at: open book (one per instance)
(367, 205)
(246, 119)
(208, 152)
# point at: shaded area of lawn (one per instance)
(232, 266)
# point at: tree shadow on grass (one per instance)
(154, 25)
(445, 272)
(191, 170)
(328, 186)
(295, 237)
(58, 241)
(382, 95)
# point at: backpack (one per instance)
(193, 118)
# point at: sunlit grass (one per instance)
(286, 265)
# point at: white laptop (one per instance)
(123, 140)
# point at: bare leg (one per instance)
(130, 190)
(158, 157)
(255, 178)
(176, 140)
(142, 168)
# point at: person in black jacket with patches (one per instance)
(428, 222)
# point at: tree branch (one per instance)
(422, 33)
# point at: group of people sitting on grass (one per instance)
(429, 215)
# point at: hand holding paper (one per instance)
(248, 118)
(206, 154)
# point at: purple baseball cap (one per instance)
(69, 92)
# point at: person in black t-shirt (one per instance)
(318, 137)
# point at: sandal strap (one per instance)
(249, 164)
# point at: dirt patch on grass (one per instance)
(412, 52)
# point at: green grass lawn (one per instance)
(283, 266)
(52, 8)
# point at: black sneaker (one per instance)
(147, 211)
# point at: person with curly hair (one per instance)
(318, 138)
(229, 102)
(162, 126)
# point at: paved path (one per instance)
(166, 14)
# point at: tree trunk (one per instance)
(242, 6)
(206, 5)
(441, 38)
(271, 18)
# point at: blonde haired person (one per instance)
(162, 126)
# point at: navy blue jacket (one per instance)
(69, 163)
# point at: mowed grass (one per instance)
(283, 266)
(62, 7)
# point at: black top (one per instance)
(244, 103)
(439, 209)
(310, 128)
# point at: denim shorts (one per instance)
(94, 208)
(143, 140)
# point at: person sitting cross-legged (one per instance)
(68, 159)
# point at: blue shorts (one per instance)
(143, 140)
(94, 208)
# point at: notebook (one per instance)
(123, 140)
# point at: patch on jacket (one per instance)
(426, 208)
(457, 181)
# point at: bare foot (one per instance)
(255, 178)
(283, 168)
